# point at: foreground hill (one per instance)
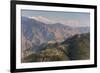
(74, 48)
(79, 46)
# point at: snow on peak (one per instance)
(43, 19)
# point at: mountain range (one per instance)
(38, 32)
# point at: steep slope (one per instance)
(32, 28)
(79, 46)
(73, 48)
(38, 33)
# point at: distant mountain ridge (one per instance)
(43, 19)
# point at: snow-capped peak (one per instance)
(43, 19)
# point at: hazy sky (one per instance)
(67, 18)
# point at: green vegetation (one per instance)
(79, 47)
(53, 54)
(74, 48)
(31, 58)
